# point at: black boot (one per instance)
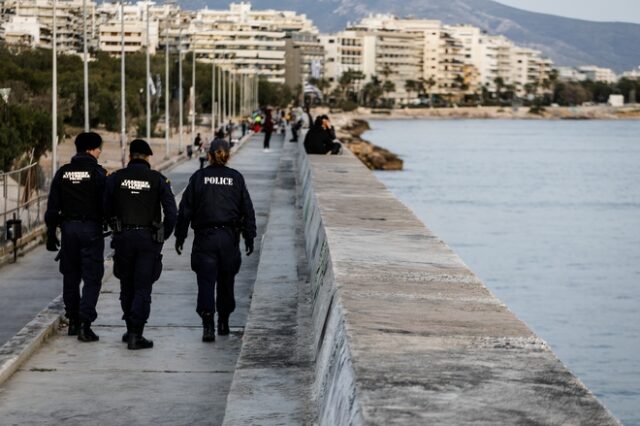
(85, 334)
(223, 325)
(125, 336)
(208, 333)
(74, 325)
(136, 341)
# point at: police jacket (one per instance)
(135, 194)
(76, 191)
(216, 196)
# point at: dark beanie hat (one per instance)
(87, 141)
(138, 146)
(219, 145)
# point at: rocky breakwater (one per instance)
(349, 131)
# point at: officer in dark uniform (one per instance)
(75, 204)
(218, 206)
(133, 198)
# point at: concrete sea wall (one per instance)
(404, 332)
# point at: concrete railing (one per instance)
(404, 332)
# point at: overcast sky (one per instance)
(594, 10)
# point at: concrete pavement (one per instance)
(181, 380)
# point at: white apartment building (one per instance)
(450, 60)
(587, 72)
(22, 30)
(632, 75)
(570, 74)
(109, 17)
(244, 40)
(22, 19)
(594, 73)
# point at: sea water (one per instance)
(547, 214)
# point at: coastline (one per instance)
(597, 112)
(351, 125)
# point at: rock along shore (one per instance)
(349, 130)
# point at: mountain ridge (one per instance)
(567, 41)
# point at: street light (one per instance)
(123, 134)
(193, 87)
(213, 95)
(147, 79)
(166, 90)
(54, 96)
(180, 95)
(86, 66)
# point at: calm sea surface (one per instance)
(547, 213)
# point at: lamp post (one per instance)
(85, 66)
(166, 90)
(54, 96)
(219, 91)
(147, 78)
(193, 93)
(123, 124)
(180, 95)
(213, 95)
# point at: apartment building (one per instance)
(109, 22)
(304, 58)
(594, 73)
(30, 23)
(246, 41)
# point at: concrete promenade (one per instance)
(181, 380)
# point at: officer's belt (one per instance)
(135, 227)
(217, 226)
(81, 219)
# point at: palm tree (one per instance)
(411, 86)
(499, 82)
(429, 85)
(372, 91)
(388, 87)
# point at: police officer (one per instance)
(75, 204)
(218, 206)
(133, 198)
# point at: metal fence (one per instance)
(23, 198)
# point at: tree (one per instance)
(372, 91)
(429, 84)
(411, 86)
(388, 87)
(499, 82)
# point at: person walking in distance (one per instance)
(75, 205)
(133, 199)
(218, 206)
(268, 129)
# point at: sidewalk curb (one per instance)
(17, 350)
(26, 342)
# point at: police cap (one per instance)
(86, 141)
(138, 146)
(219, 145)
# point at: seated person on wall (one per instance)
(321, 138)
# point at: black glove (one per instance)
(53, 244)
(179, 244)
(248, 244)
